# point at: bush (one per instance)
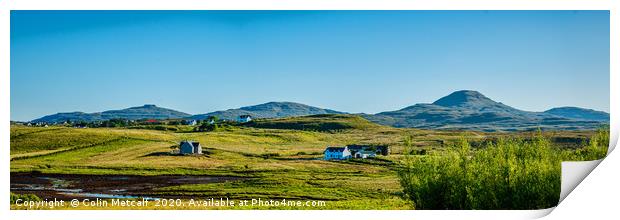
(509, 174)
(596, 148)
(207, 127)
(269, 155)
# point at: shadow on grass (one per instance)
(159, 154)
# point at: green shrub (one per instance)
(596, 148)
(269, 155)
(508, 174)
(205, 126)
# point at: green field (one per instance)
(277, 158)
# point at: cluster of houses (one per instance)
(355, 151)
(190, 122)
(36, 124)
(240, 119)
(213, 120)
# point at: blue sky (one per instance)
(354, 61)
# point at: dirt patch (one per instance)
(70, 186)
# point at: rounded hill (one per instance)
(321, 122)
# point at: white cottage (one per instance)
(244, 118)
(364, 154)
(336, 153)
(190, 147)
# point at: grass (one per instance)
(23, 197)
(35, 139)
(271, 158)
(276, 157)
(322, 123)
(296, 185)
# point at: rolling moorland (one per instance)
(267, 158)
(464, 151)
(272, 163)
(461, 110)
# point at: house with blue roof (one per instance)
(336, 153)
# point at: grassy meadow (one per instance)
(282, 158)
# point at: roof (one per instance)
(245, 116)
(366, 152)
(361, 147)
(193, 143)
(335, 149)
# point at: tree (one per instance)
(212, 118)
(206, 126)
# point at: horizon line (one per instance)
(327, 108)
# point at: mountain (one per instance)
(464, 110)
(133, 113)
(579, 114)
(471, 110)
(269, 110)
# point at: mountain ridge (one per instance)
(464, 109)
(269, 110)
(147, 111)
(471, 110)
(579, 113)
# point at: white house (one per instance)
(191, 122)
(244, 118)
(365, 151)
(190, 147)
(364, 154)
(336, 153)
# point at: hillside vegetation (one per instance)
(277, 158)
(278, 163)
(36, 140)
(323, 123)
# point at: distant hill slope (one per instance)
(133, 113)
(579, 114)
(269, 110)
(472, 110)
(324, 122)
(465, 110)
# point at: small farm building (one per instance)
(364, 151)
(190, 147)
